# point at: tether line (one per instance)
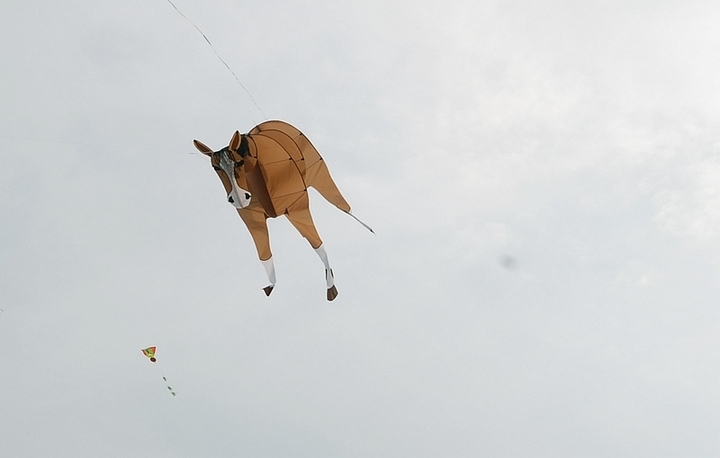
(219, 57)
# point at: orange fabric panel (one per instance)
(255, 219)
(285, 141)
(279, 173)
(285, 203)
(282, 178)
(318, 176)
(314, 171)
(268, 150)
(310, 154)
(300, 217)
(275, 124)
(259, 191)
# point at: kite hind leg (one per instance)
(332, 291)
(300, 217)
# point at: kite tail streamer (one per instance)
(169, 387)
(167, 384)
(364, 225)
(221, 59)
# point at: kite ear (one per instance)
(202, 147)
(235, 142)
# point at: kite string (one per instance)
(221, 59)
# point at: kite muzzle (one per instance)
(239, 198)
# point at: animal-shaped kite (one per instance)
(266, 173)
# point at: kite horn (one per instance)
(202, 147)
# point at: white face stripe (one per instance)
(237, 196)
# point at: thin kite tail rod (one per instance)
(358, 220)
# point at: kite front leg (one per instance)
(256, 222)
(270, 270)
(300, 217)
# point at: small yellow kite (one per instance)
(150, 353)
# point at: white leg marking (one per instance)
(329, 278)
(270, 269)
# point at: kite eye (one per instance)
(247, 196)
(230, 199)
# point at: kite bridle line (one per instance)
(221, 59)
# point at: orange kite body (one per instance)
(266, 173)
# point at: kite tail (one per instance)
(358, 220)
(167, 384)
(169, 387)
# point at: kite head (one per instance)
(228, 163)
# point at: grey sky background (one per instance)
(543, 179)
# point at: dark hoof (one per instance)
(332, 293)
(268, 290)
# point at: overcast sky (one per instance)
(543, 179)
